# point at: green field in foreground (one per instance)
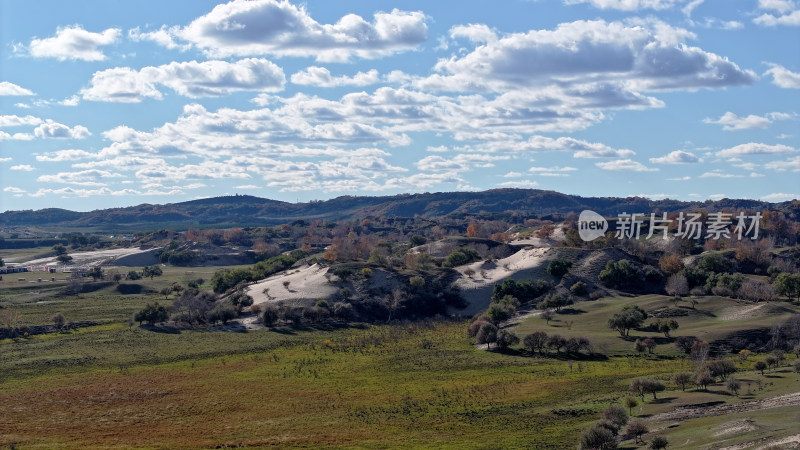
(405, 384)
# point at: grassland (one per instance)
(415, 384)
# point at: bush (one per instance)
(366, 272)
(269, 316)
(559, 267)
(223, 312)
(506, 339)
(556, 302)
(500, 312)
(460, 256)
(487, 333)
(616, 415)
(152, 313)
(579, 288)
(524, 291)
(134, 275)
(59, 321)
(597, 438)
(416, 240)
(658, 443)
(416, 281)
(622, 273)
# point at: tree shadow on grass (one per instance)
(662, 400)
(165, 329)
(571, 311)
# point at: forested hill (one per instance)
(245, 210)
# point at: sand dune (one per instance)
(305, 283)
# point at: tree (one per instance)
(658, 443)
(670, 264)
(59, 321)
(165, 291)
(579, 288)
(639, 346)
(556, 342)
(152, 313)
(270, 315)
(788, 284)
(2, 263)
(703, 379)
(222, 312)
(597, 438)
(642, 386)
(133, 275)
(473, 230)
(556, 302)
(631, 316)
(152, 271)
(685, 343)
(667, 326)
(650, 344)
(416, 281)
(616, 415)
(96, 273)
(535, 341)
(683, 379)
(59, 249)
(733, 385)
(64, 259)
(506, 339)
(559, 267)
(677, 285)
(700, 350)
(548, 315)
(240, 300)
(498, 312)
(637, 428)
(417, 240)
(487, 334)
(630, 403)
(760, 366)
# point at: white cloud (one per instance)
(74, 43)
(676, 157)
(519, 184)
(191, 79)
(64, 155)
(780, 197)
(731, 121)
(626, 165)
(589, 64)
(15, 137)
(320, 76)
(631, 5)
(474, 32)
(552, 169)
(788, 14)
(754, 148)
(23, 168)
(164, 37)
(14, 190)
(15, 121)
(792, 164)
(783, 77)
(684, 178)
(82, 178)
(719, 174)
(260, 27)
(247, 186)
(5, 159)
(11, 89)
(51, 129)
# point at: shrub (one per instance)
(658, 443)
(59, 321)
(559, 267)
(506, 339)
(222, 312)
(670, 264)
(133, 275)
(597, 438)
(622, 273)
(579, 288)
(616, 415)
(631, 316)
(416, 281)
(677, 285)
(152, 313)
(500, 312)
(487, 333)
(343, 311)
(366, 272)
(556, 302)
(637, 428)
(460, 256)
(682, 379)
(416, 240)
(535, 341)
(522, 290)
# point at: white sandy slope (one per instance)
(305, 283)
(115, 256)
(477, 290)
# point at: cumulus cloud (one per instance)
(625, 165)
(51, 129)
(15, 121)
(632, 5)
(780, 197)
(277, 27)
(11, 89)
(755, 148)
(731, 121)
(791, 164)
(23, 168)
(81, 178)
(15, 137)
(164, 37)
(783, 77)
(321, 77)
(648, 55)
(191, 79)
(74, 43)
(781, 12)
(474, 33)
(64, 155)
(676, 157)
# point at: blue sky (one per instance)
(111, 103)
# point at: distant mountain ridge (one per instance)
(246, 210)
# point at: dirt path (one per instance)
(693, 412)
